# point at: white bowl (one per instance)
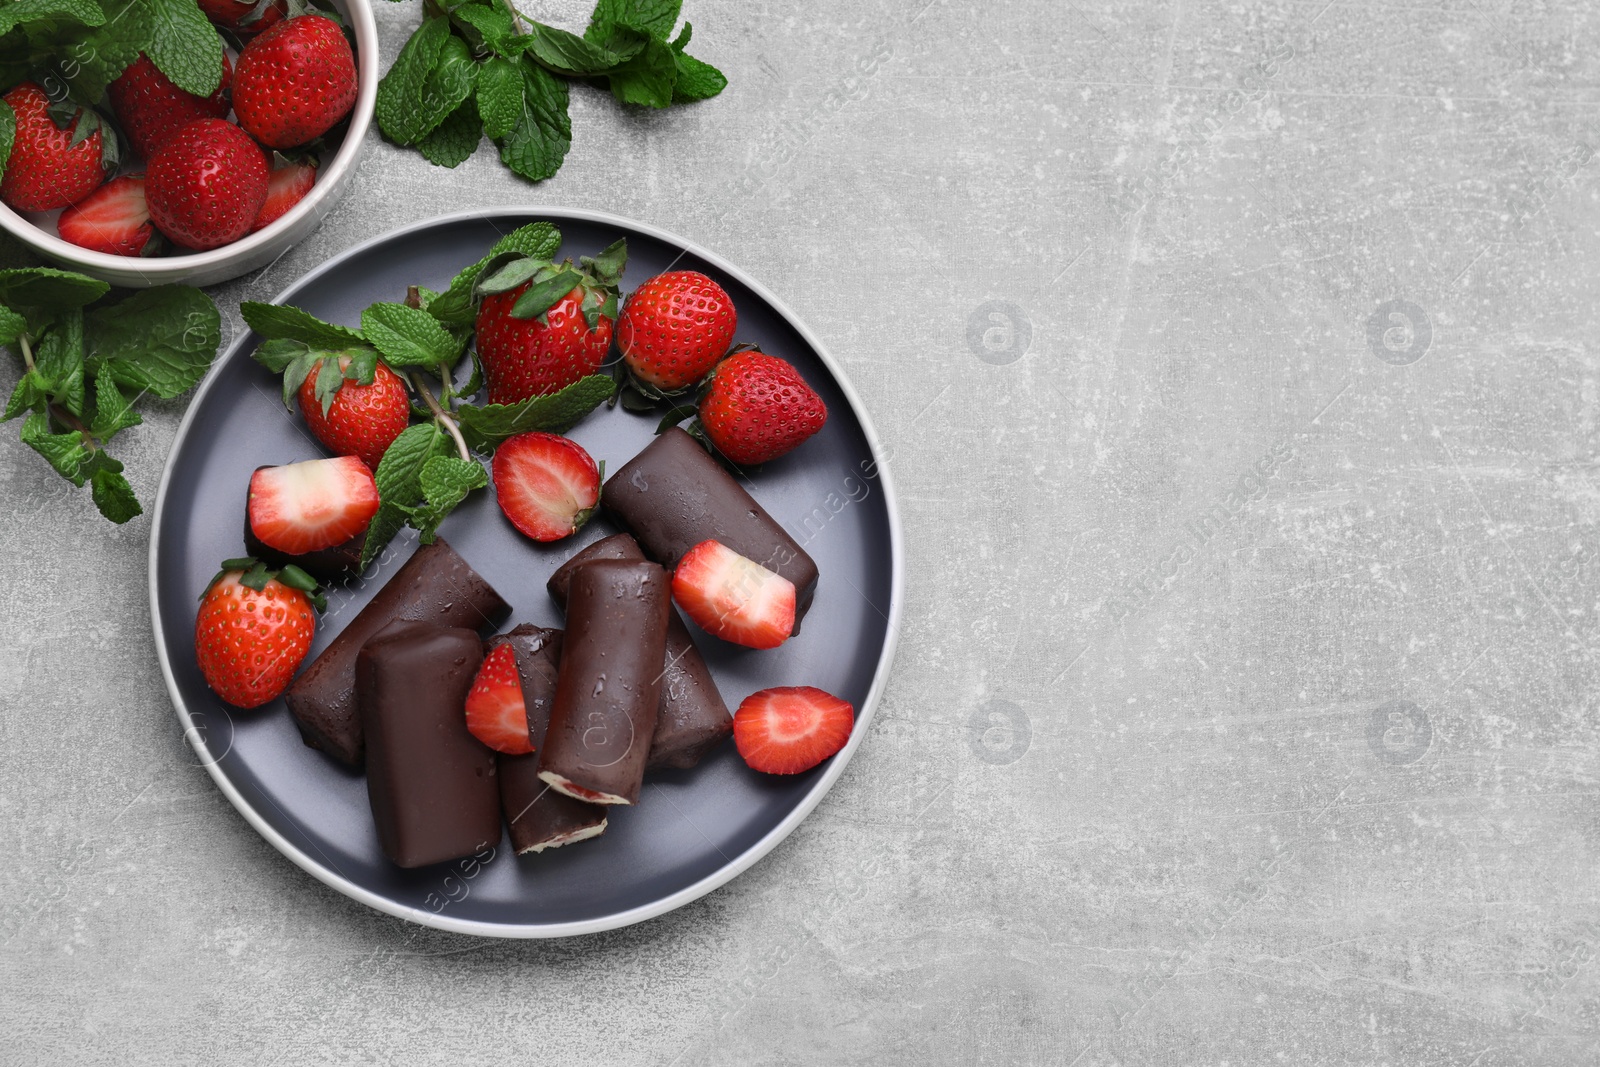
(253, 250)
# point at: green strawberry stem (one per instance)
(440, 415)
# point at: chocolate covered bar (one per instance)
(692, 717)
(609, 684)
(326, 564)
(537, 816)
(673, 495)
(436, 585)
(431, 783)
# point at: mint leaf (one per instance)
(30, 394)
(696, 80)
(19, 11)
(540, 240)
(59, 360)
(445, 482)
(399, 479)
(485, 427)
(456, 306)
(485, 26)
(449, 83)
(455, 139)
(655, 17)
(648, 78)
(185, 46)
(113, 495)
(162, 340)
(567, 53)
(284, 321)
(8, 134)
(90, 58)
(12, 326)
(66, 452)
(398, 92)
(537, 145)
(48, 287)
(499, 96)
(408, 337)
(112, 411)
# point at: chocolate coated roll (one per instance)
(435, 585)
(609, 683)
(692, 717)
(333, 564)
(431, 783)
(538, 816)
(673, 495)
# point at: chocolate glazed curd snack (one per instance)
(436, 586)
(609, 684)
(431, 783)
(674, 495)
(692, 717)
(538, 816)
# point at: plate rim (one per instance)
(694, 891)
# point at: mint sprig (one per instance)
(435, 464)
(79, 354)
(479, 68)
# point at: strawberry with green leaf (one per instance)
(254, 630)
(543, 326)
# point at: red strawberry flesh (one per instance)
(305, 507)
(546, 484)
(734, 598)
(791, 729)
(114, 219)
(496, 713)
(287, 185)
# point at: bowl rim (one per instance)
(175, 268)
(195, 736)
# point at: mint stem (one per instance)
(27, 352)
(57, 412)
(440, 415)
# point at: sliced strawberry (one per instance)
(546, 484)
(496, 714)
(287, 185)
(304, 507)
(734, 598)
(791, 728)
(113, 219)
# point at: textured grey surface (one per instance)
(1244, 710)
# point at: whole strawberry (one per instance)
(254, 630)
(152, 108)
(295, 81)
(244, 17)
(60, 154)
(674, 328)
(757, 407)
(206, 184)
(542, 326)
(355, 419)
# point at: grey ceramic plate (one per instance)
(692, 830)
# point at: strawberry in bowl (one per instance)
(295, 79)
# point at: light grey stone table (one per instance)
(1238, 367)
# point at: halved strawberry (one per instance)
(734, 598)
(546, 484)
(791, 728)
(287, 185)
(304, 507)
(113, 219)
(496, 714)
